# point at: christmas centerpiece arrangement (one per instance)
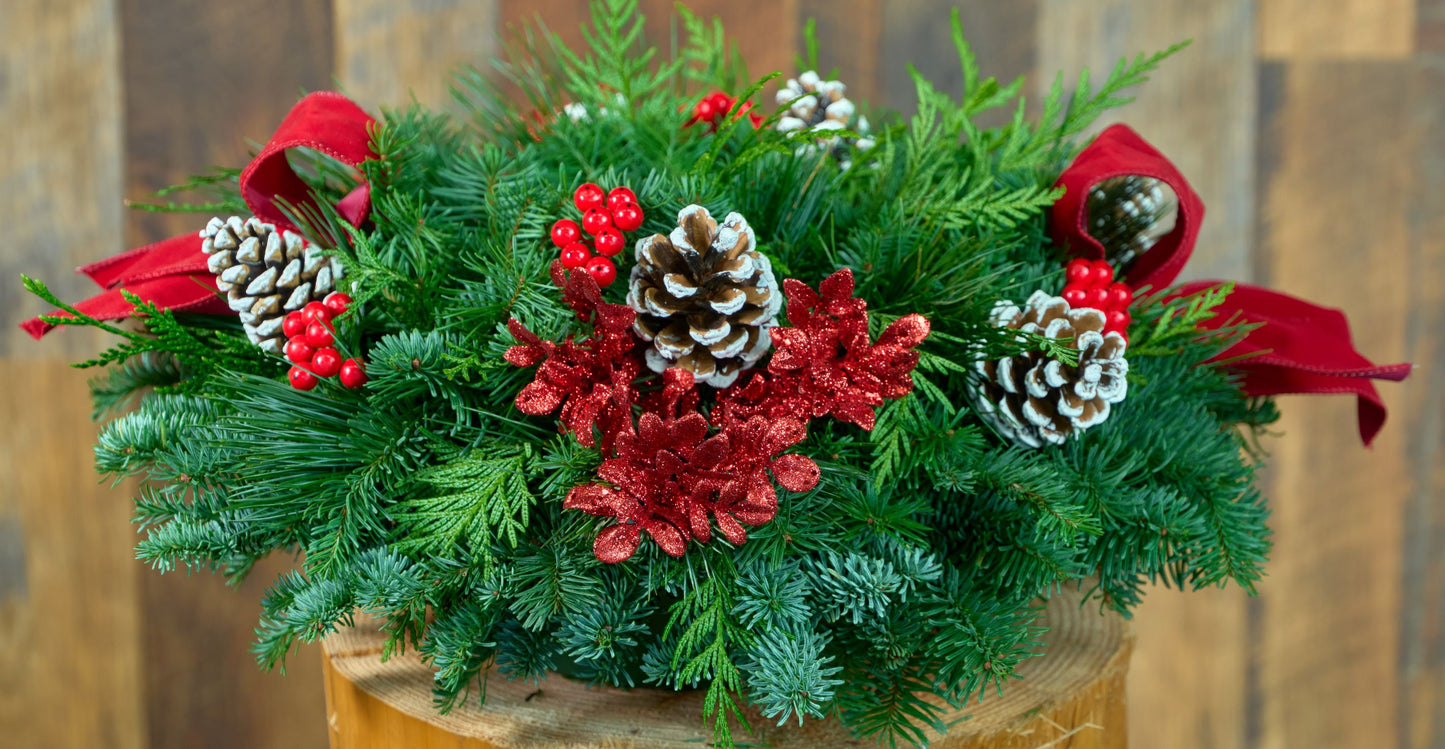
(655, 382)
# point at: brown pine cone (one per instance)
(1034, 399)
(1129, 214)
(265, 274)
(705, 297)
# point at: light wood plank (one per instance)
(203, 79)
(60, 167)
(848, 34)
(1336, 29)
(69, 628)
(1200, 109)
(390, 52)
(1334, 224)
(1188, 686)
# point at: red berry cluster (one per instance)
(309, 338)
(605, 217)
(714, 106)
(1090, 283)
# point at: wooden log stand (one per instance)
(1072, 697)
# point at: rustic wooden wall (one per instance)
(1311, 127)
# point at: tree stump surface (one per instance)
(1071, 697)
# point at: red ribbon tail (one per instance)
(1300, 347)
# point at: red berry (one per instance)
(575, 255)
(609, 242)
(1117, 320)
(595, 221)
(703, 110)
(619, 197)
(353, 374)
(721, 102)
(315, 312)
(293, 324)
(627, 217)
(1095, 298)
(301, 379)
(1120, 295)
(565, 232)
(1076, 297)
(298, 351)
(588, 197)
(602, 270)
(337, 302)
(1078, 272)
(1103, 273)
(318, 335)
(325, 362)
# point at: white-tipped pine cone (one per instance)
(705, 297)
(822, 107)
(265, 274)
(1034, 399)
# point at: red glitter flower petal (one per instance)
(731, 529)
(538, 399)
(796, 473)
(616, 543)
(667, 536)
(907, 331)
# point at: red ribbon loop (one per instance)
(1299, 348)
(1119, 151)
(172, 273)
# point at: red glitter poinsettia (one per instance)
(824, 364)
(591, 380)
(672, 480)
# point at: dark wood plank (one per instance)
(202, 79)
(1422, 420)
(1335, 223)
(916, 31)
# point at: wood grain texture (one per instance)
(1422, 421)
(392, 53)
(1073, 696)
(1330, 627)
(1336, 29)
(69, 628)
(203, 79)
(60, 167)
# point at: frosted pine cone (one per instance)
(266, 273)
(705, 297)
(822, 107)
(1034, 399)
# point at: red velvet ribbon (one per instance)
(1298, 347)
(1119, 151)
(172, 273)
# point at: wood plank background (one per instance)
(1313, 129)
